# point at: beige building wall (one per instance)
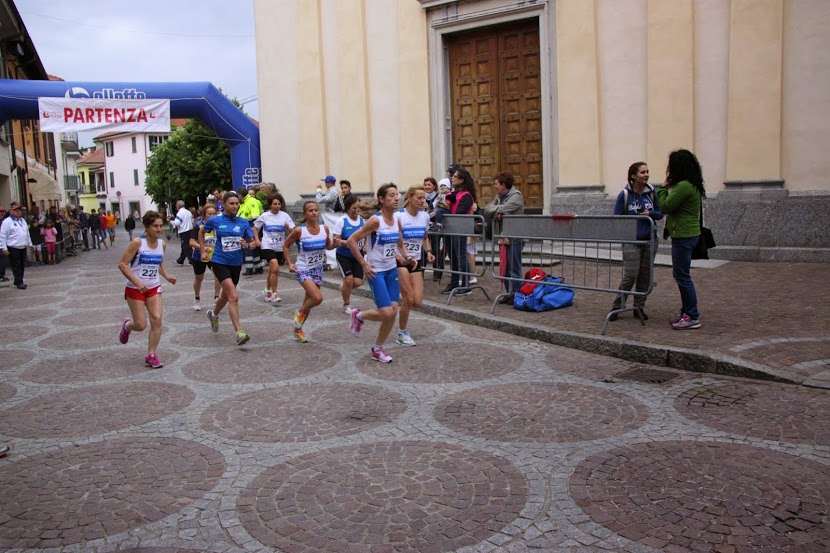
(356, 88)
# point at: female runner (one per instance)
(313, 240)
(350, 269)
(201, 258)
(414, 222)
(142, 265)
(274, 224)
(231, 232)
(380, 267)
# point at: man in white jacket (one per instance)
(14, 241)
(184, 222)
(327, 200)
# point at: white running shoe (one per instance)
(197, 306)
(348, 309)
(275, 298)
(405, 339)
(355, 324)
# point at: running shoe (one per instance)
(124, 335)
(355, 324)
(197, 306)
(275, 298)
(267, 295)
(347, 309)
(4, 450)
(463, 292)
(405, 339)
(686, 323)
(242, 337)
(676, 318)
(153, 361)
(299, 319)
(300, 335)
(214, 320)
(473, 280)
(379, 355)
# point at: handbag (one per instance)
(705, 241)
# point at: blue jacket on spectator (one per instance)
(637, 204)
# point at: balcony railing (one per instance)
(69, 137)
(71, 182)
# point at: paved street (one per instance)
(475, 440)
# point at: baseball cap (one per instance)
(328, 178)
(453, 168)
(14, 205)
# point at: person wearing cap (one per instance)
(3, 259)
(14, 241)
(327, 200)
(451, 170)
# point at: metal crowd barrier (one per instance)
(584, 250)
(460, 226)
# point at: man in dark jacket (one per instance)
(508, 201)
(95, 227)
(83, 222)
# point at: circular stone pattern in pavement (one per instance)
(123, 362)
(159, 550)
(769, 412)
(13, 358)
(541, 413)
(95, 337)
(672, 495)
(421, 330)
(101, 489)
(462, 363)
(258, 365)
(23, 302)
(7, 392)
(20, 333)
(398, 496)
(303, 413)
(94, 410)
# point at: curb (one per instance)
(653, 354)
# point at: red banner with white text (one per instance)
(103, 115)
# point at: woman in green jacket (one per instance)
(680, 199)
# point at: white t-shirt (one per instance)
(311, 249)
(273, 227)
(384, 245)
(414, 229)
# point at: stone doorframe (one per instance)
(443, 18)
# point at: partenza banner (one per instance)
(94, 114)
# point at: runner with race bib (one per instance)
(275, 224)
(142, 265)
(200, 259)
(350, 269)
(232, 233)
(312, 240)
(414, 222)
(380, 266)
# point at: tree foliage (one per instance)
(190, 164)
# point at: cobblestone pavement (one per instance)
(473, 441)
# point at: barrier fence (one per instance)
(584, 250)
(459, 232)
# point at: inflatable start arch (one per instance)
(202, 101)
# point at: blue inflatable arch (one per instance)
(202, 101)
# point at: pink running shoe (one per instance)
(124, 335)
(153, 361)
(355, 324)
(379, 355)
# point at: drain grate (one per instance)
(648, 376)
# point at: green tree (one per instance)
(191, 163)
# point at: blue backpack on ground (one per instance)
(548, 294)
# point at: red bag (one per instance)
(533, 274)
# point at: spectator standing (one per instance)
(112, 222)
(95, 229)
(637, 198)
(681, 199)
(327, 200)
(50, 237)
(250, 209)
(508, 201)
(3, 259)
(83, 223)
(37, 239)
(14, 239)
(102, 233)
(461, 201)
(129, 225)
(345, 192)
(183, 222)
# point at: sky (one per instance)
(147, 41)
